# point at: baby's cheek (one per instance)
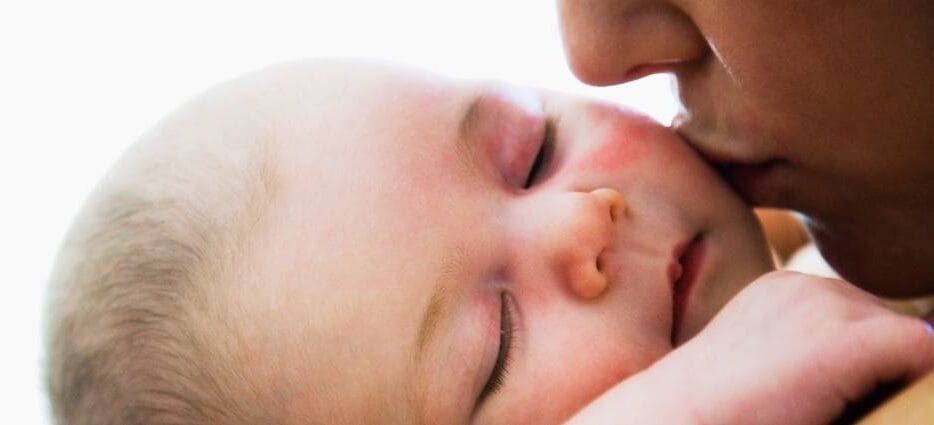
(576, 354)
(617, 146)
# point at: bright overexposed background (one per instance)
(80, 80)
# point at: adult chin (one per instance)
(890, 255)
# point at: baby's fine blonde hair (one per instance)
(138, 330)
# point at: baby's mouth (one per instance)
(684, 274)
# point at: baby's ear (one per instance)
(784, 232)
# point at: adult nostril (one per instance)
(614, 200)
(646, 69)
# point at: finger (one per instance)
(882, 349)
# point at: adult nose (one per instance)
(613, 41)
(578, 227)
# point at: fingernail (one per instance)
(930, 327)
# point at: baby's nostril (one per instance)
(587, 281)
(614, 200)
(617, 211)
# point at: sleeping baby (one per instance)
(351, 242)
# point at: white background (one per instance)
(80, 80)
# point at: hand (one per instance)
(789, 348)
(794, 348)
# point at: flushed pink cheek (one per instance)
(622, 146)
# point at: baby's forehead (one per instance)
(314, 101)
(333, 96)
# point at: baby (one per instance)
(341, 242)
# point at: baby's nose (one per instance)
(580, 229)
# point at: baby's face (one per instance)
(446, 252)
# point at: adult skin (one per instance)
(824, 107)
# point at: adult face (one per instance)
(822, 107)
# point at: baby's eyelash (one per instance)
(507, 332)
(542, 156)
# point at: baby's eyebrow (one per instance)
(469, 118)
(440, 301)
(432, 318)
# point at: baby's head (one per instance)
(348, 242)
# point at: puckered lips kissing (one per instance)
(760, 178)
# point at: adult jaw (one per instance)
(867, 232)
